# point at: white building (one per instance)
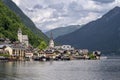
(67, 47)
(51, 42)
(85, 51)
(64, 47)
(16, 50)
(29, 54)
(58, 47)
(23, 38)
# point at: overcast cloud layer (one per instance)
(50, 14)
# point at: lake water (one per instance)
(108, 69)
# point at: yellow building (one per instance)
(16, 52)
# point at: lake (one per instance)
(107, 69)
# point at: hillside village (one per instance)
(21, 50)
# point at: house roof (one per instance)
(3, 45)
(17, 46)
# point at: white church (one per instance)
(23, 38)
(64, 47)
(51, 42)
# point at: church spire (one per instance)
(51, 42)
(51, 36)
(20, 35)
(19, 30)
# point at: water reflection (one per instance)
(61, 70)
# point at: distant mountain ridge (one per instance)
(102, 34)
(62, 30)
(27, 21)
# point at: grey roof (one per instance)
(17, 46)
(2, 45)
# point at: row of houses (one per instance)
(20, 50)
(16, 51)
(64, 52)
(68, 51)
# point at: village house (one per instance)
(16, 51)
(2, 49)
(67, 47)
(28, 55)
(97, 54)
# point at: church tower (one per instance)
(51, 42)
(20, 35)
(23, 38)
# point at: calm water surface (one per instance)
(108, 69)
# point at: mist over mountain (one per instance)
(62, 30)
(102, 34)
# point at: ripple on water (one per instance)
(62, 70)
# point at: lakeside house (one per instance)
(16, 51)
(97, 54)
(2, 49)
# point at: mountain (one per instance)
(28, 23)
(102, 34)
(62, 30)
(10, 23)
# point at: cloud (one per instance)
(50, 14)
(37, 6)
(104, 1)
(16, 1)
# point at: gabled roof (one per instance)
(3, 45)
(17, 46)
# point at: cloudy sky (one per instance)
(50, 14)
